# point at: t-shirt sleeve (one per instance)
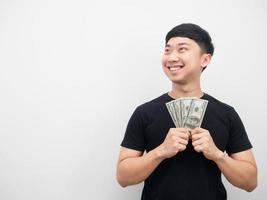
(134, 137)
(238, 138)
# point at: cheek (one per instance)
(187, 57)
(191, 59)
(163, 60)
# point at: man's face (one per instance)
(183, 60)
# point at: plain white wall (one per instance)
(72, 72)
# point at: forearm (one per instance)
(240, 173)
(135, 170)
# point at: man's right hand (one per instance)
(134, 166)
(175, 141)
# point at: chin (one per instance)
(179, 82)
(176, 78)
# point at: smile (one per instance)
(175, 68)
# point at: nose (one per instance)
(174, 56)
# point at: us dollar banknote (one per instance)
(195, 114)
(171, 110)
(187, 112)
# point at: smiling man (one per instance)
(174, 164)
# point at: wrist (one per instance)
(160, 152)
(220, 155)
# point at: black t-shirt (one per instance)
(187, 175)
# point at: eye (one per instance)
(182, 49)
(167, 50)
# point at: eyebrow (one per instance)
(179, 44)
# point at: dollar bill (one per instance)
(185, 107)
(195, 114)
(177, 107)
(187, 112)
(172, 111)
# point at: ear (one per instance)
(206, 58)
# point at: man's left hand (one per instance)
(203, 142)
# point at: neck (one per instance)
(186, 90)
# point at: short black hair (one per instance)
(194, 32)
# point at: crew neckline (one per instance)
(167, 94)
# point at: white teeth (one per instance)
(173, 68)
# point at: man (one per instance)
(179, 164)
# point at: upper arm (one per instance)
(238, 141)
(123, 168)
(134, 137)
(246, 156)
(128, 153)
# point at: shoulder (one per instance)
(153, 107)
(219, 106)
(146, 112)
(153, 104)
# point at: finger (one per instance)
(184, 136)
(194, 131)
(183, 141)
(197, 130)
(178, 136)
(184, 130)
(197, 142)
(197, 136)
(181, 147)
(198, 148)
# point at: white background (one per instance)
(72, 72)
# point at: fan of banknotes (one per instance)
(187, 112)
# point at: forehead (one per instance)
(174, 41)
